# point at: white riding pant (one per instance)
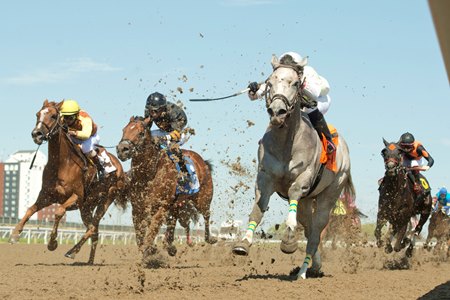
(323, 104)
(409, 163)
(89, 144)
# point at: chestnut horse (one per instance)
(154, 182)
(69, 179)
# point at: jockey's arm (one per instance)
(179, 121)
(422, 152)
(85, 132)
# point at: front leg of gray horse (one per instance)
(263, 191)
(299, 188)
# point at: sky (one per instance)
(381, 58)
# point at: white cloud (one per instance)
(60, 72)
(246, 2)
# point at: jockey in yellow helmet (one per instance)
(83, 131)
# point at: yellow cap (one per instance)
(69, 107)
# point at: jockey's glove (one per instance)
(253, 87)
(425, 168)
(174, 136)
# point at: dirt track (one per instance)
(32, 272)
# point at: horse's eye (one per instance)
(53, 117)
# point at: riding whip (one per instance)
(221, 98)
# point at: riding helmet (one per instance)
(407, 138)
(69, 107)
(156, 100)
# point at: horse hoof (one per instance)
(172, 250)
(70, 255)
(388, 249)
(409, 252)
(52, 245)
(14, 239)
(289, 243)
(150, 251)
(241, 248)
(212, 240)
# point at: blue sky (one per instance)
(382, 60)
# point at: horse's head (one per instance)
(284, 88)
(393, 159)
(47, 120)
(133, 137)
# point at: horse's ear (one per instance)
(45, 102)
(386, 143)
(132, 118)
(147, 121)
(275, 62)
(60, 104)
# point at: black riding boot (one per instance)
(320, 125)
(181, 163)
(100, 169)
(414, 177)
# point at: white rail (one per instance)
(35, 235)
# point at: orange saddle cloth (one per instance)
(330, 159)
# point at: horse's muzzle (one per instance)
(38, 137)
(123, 151)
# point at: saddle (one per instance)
(330, 159)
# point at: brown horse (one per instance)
(344, 224)
(154, 182)
(69, 179)
(397, 203)
(438, 228)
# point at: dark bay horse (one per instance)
(69, 179)
(397, 203)
(439, 228)
(289, 161)
(152, 191)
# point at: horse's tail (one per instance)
(349, 188)
(121, 199)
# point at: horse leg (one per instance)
(86, 216)
(157, 219)
(263, 191)
(37, 206)
(399, 243)
(139, 225)
(325, 202)
(424, 215)
(170, 233)
(60, 211)
(208, 238)
(381, 221)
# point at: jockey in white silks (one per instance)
(315, 93)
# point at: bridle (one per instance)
(136, 146)
(51, 130)
(289, 105)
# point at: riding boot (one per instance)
(416, 185)
(100, 169)
(181, 163)
(320, 125)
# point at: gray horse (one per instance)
(289, 164)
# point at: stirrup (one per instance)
(330, 147)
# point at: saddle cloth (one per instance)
(190, 186)
(330, 159)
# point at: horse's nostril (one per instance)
(270, 112)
